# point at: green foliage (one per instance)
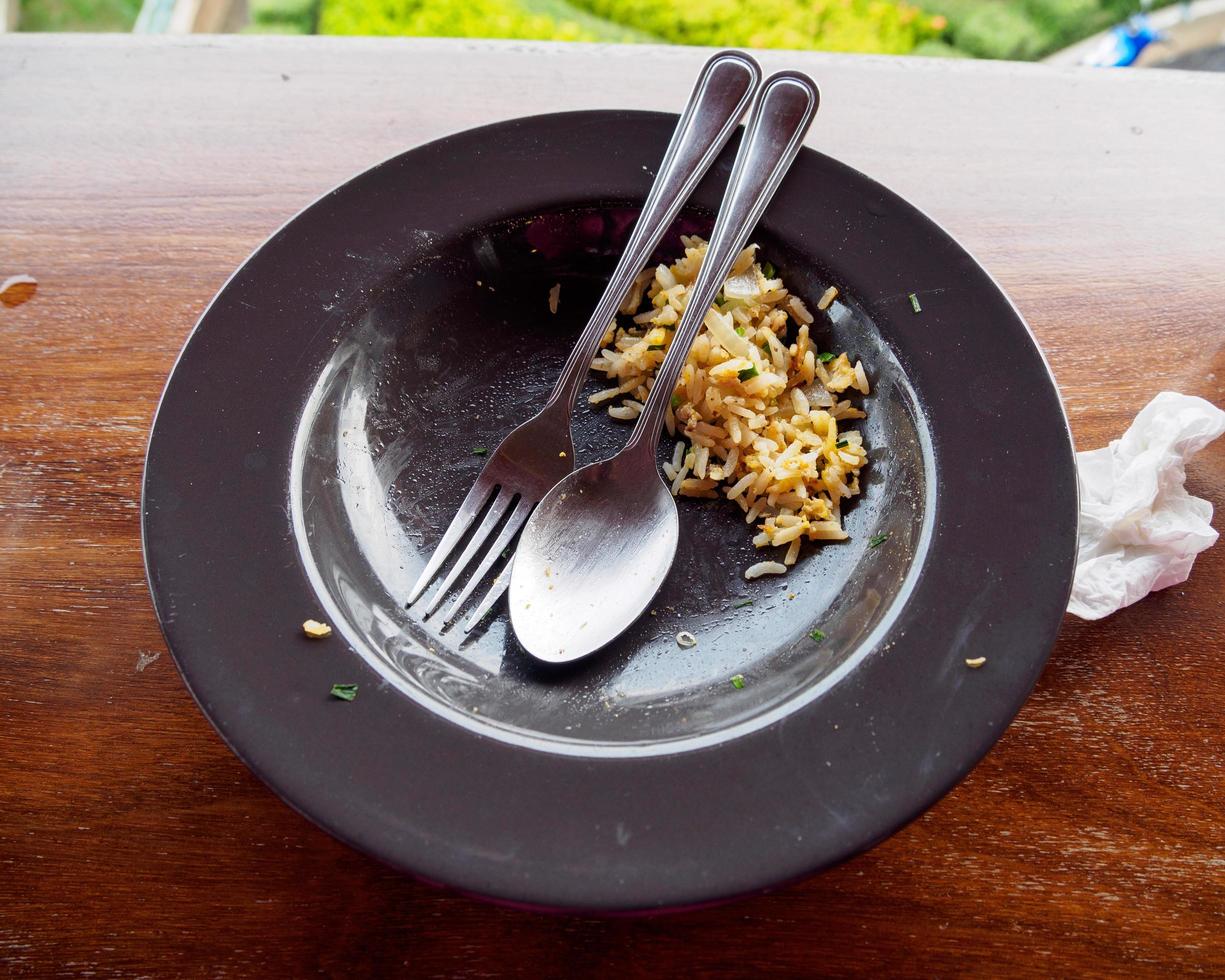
(1062, 22)
(998, 31)
(283, 16)
(830, 25)
(446, 18)
(938, 49)
(78, 15)
(1026, 29)
(1018, 29)
(598, 27)
(833, 25)
(1014, 29)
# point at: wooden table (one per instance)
(136, 173)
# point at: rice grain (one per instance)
(755, 413)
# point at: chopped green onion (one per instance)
(765, 347)
(767, 270)
(841, 444)
(740, 331)
(656, 347)
(914, 303)
(748, 372)
(677, 401)
(720, 299)
(816, 636)
(738, 681)
(479, 451)
(345, 692)
(825, 358)
(877, 540)
(742, 603)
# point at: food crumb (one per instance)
(764, 568)
(827, 297)
(143, 659)
(316, 630)
(975, 662)
(686, 639)
(562, 455)
(16, 290)
(554, 297)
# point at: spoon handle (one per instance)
(772, 138)
(720, 96)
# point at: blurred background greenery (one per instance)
(1013, 29)
(78, 15)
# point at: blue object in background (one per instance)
(1122, 46)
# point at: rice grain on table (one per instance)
(757, 415)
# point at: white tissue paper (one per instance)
(1139, 528)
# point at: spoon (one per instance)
(599, 545)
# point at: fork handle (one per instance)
(722, 93)
(775, 131)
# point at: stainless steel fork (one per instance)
(540, 452)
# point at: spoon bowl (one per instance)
(612, 521)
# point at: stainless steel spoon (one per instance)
(600, 543)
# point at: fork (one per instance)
(540, 452)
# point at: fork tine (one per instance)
(501, 504)
(500, 584)
(518, 518)
(462, 520)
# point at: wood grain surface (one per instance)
(136, 173)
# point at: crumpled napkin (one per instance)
(1139, 528)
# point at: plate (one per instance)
(325, 418)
